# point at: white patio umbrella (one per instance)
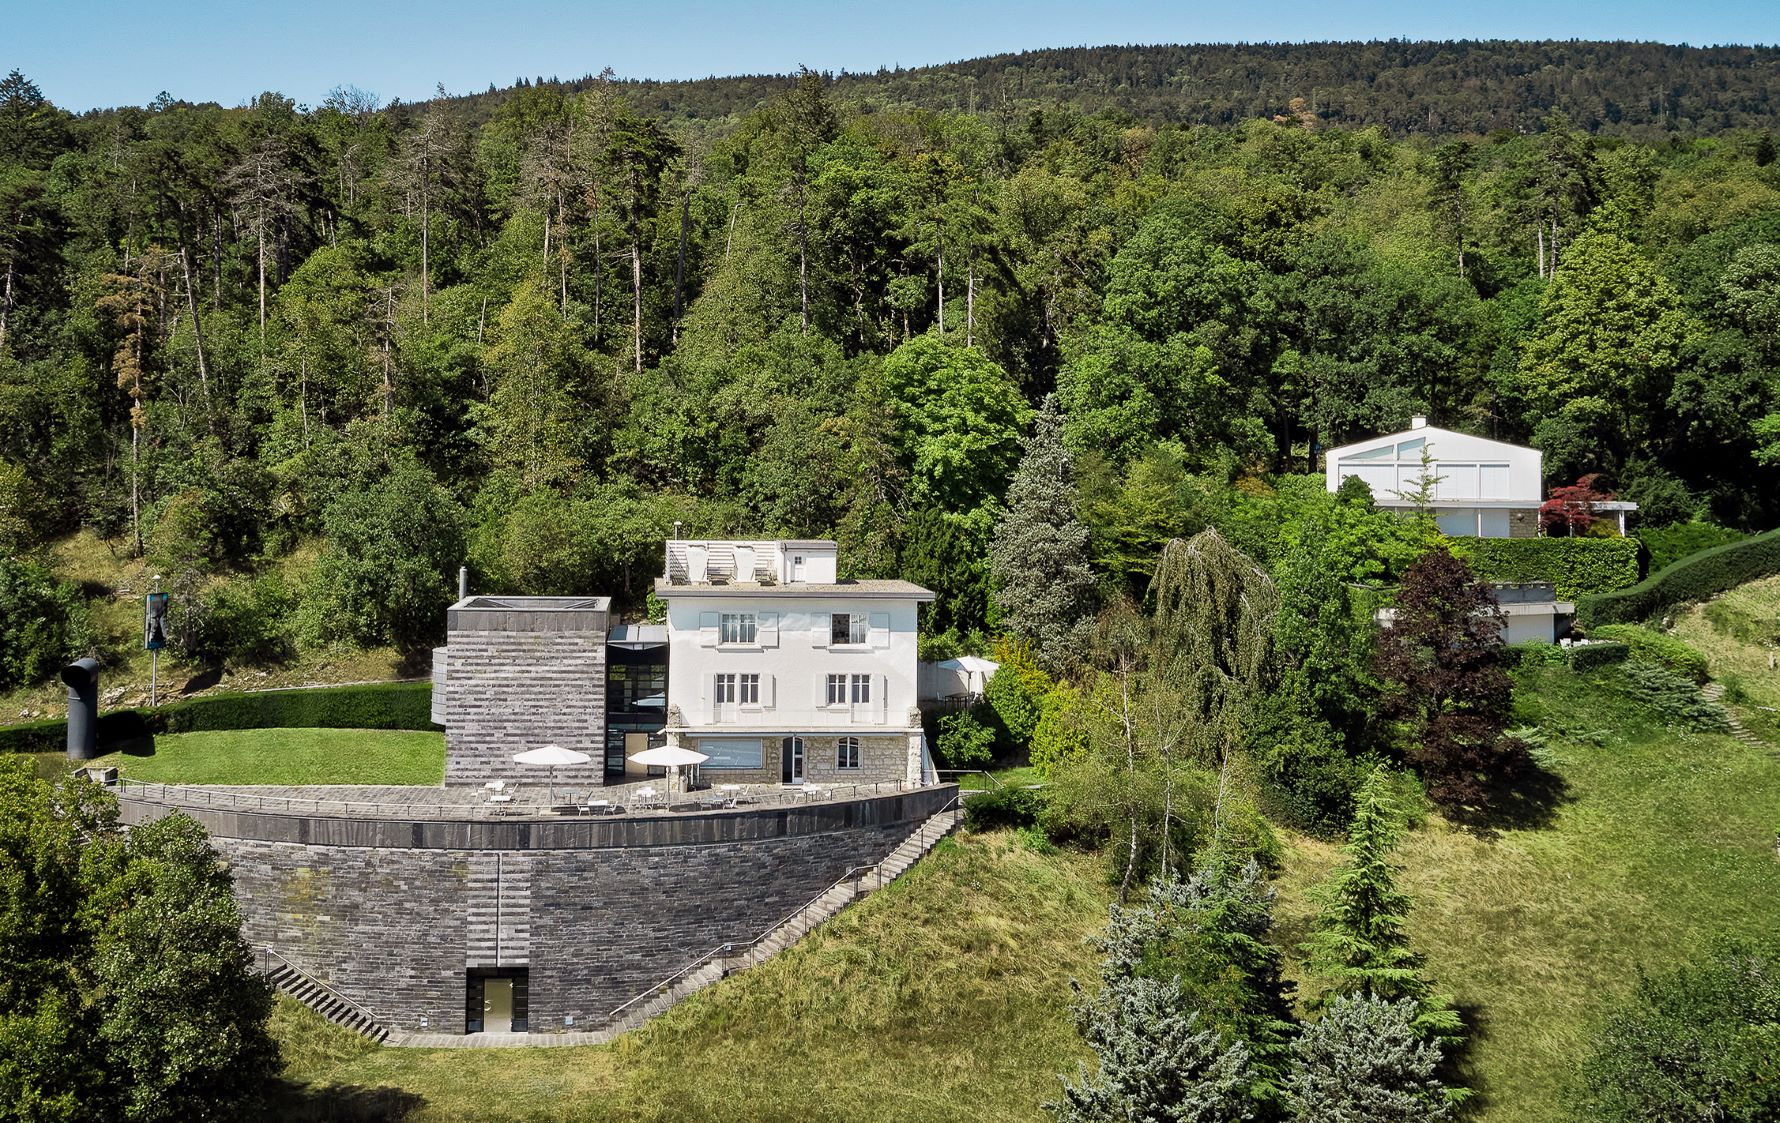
(976, 670)
(554, 756)
(669, 756)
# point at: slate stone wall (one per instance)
(507, 691)
(395, 929)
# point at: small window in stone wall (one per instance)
(847, 753)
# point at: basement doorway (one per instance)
(496, 1000)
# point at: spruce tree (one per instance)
(1364, 1062)
(1044, 587)
(1360, 944)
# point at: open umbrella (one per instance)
(976, 669)
(552, 755)
(669, 756)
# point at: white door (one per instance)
(497, 1006)
(797, 567)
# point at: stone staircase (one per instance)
(718, 964)
(730, 958)
(1714, 692)
(315, 995)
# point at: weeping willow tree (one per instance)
(1211, 647)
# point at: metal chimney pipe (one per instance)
(463, 582)
(82, 679)
(676, 529)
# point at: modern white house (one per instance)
(1480, 488)
(780, 672)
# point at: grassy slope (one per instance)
(288, 756)
(943, 997)
(1660, 842)
(1732, 658)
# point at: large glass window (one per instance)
(750, 690)
(846, 753)
(849, 627)
(738, 627)
(861, 688)
(837, 690)
(726, 689)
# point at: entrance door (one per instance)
(796, 569)
(791, 760)
(497, 1006)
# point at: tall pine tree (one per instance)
(1038, 560)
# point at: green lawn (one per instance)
(943, 997)
(1660, 842)
(287, 756)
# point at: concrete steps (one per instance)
(796, 927)
(319, 998)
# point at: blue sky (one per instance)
(87, 53)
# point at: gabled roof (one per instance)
(1430, 432)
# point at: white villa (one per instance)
(1481, 488)
(782, 673)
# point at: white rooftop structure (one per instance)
(1478, 487)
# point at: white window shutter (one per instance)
(880, 629)
(766, 634)
(707, 629)
(821, 691)
(706, 686)
(819, 628)
(880, 694)
(766, 691)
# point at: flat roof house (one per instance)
(781, 672)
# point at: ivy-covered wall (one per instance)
(1577, 566)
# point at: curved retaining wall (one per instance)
(393, 914)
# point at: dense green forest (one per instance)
(1649, 90)
(308, 360)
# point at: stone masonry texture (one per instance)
(510, 691)
(395, 929)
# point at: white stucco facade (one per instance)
(779, 671)
(1481, 488)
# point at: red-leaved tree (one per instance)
(1571, 509)
(1445, 667)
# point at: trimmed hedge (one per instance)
(380, 705)
(1657, 648)
(1591, 656)
(1577, 566)
(1693, 578)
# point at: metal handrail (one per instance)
(266, 970)
(669, 981)
(730, 948)
(994, 781)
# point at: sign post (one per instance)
(154, 636)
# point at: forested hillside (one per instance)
(1646, 90)
(307, 361)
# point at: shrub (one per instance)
(1674, 697)
(1591, 656)
(42, 623)
(1656, 647)
(1669, 544)
(1697, 1042)
(1537, 654)
(1694, 578)
(382, 705)
(1577, 566)
(1003, 808)
(964, 741)
(1015, 695)
(244, 622)
(1060, 734)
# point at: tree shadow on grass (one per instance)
(1457, 1064)
(291, 1102)
(1528, 801)
(203, 680)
